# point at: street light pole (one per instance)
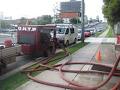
(82, 20)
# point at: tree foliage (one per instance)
(42, 20)
(34, 22)
(22, 21)
(45, 19)
(75, 21)
(111, 11)
(59, 21)
(4, 24)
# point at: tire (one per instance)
(45, 54)
(67, 43)
(49, 52)
(0, 71)
(52, 50)
(75, 41)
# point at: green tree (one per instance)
(45, 19)
(4, 24)
(59, 21)
(111, 11)
(22, 21)
(75, 21)
(34, 22)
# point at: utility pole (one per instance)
(82, 21)
(0, 23)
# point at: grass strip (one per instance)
(98, 33)
(110, 32)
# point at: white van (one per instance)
(66, 34)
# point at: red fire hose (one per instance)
(117, 86)
(91, 88)
(73, 85)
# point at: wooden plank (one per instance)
(10, 52)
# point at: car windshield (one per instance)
(60, 31)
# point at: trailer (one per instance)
(32, 40)
(8, 55)
(36, 40)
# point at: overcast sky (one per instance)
(34, 8)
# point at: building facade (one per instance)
(69, 10)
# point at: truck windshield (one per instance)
(60, 31)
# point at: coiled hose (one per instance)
(73, 85)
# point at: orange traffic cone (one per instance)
(98, 56)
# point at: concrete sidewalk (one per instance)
(85, 54)
(101, 40)
(108, 57)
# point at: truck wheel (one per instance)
(67, 43)
(4, 65)
(0, 71)
(75, 40)
(46, 53)
(52, 50)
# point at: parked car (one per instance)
(87, 33)
(79, 34)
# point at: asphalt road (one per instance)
(99, 26)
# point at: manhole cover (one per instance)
(103, 68)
